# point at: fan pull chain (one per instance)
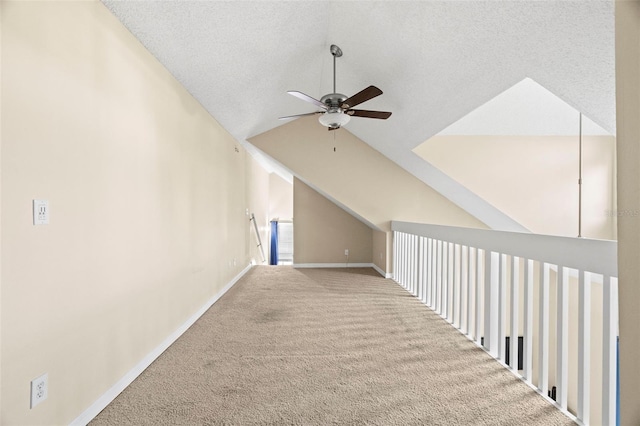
(334, 136)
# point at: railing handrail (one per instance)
(595, 256)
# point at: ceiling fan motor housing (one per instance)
(333, 100)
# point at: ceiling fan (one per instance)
(337, 109)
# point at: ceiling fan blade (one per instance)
(332, 128)
(383, 115)
(362, 96)
(307, 98)
(300, 115)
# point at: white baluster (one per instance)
(515, 311)
(444, 304)
(453, 290)
(428, 272)
(527, 356)
(480, 254)
(439, 277)
(450, 284)
(491, 274)
(502, 307)
(609, 348)
(543, 330)
(584, 347)
(395, 256)
(562, 337)
(434, 272)
(470, 285)
(464, 289)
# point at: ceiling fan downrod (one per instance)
(336, 52)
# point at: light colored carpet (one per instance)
(325, 346)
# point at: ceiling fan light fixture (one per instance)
(334, 119)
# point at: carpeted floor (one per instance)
(325, 346)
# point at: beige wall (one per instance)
(1, 133)
(258, 200)
(628, 135)
(322, 230)
(379, 254)
(280, 198)
(147, 198)
(533, 179)
(358, 176)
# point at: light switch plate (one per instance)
(40, 212)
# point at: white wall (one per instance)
(280, 198)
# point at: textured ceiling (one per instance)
(435, 61)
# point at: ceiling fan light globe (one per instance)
(334, 119)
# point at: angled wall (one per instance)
(322, 231)
(148, 204)
(358, 176)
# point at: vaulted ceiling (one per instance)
(436, 61)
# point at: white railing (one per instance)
(487, 284)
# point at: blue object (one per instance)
(273, 253)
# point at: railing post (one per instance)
(584, 347)
(562, 337)
(543, 330)
(515, 313)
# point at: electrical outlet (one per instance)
(39, 389)
(40, 212)
(346, 252)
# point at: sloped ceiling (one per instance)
(436, 61)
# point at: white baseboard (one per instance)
(99, 405)
(332, 265)
(380, 271)
(342, 265)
